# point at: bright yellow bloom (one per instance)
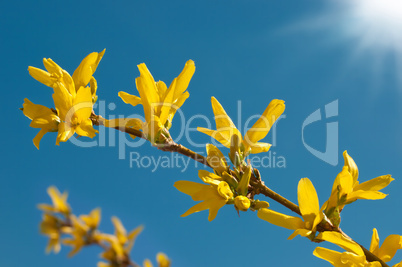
(92, 219)
(53, 228)
(59, 202)
(84, 231)
(347, 189)
(161, 259)
(80, 236)
(81, 76)
(121, 242)
(354, 255)
(309, 208)
(225, 128)
(74, 110)
(215, 194)
(159, 102)
(72, 98)
(42, 117)
(388, 248)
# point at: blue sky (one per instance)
(252, 51)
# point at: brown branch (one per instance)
(258, 185)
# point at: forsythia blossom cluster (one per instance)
(225, 185)
(232, 180)
(73, 100)
(59, 221)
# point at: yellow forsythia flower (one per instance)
(214, 194)
(83, 231)
(161, 259)
(52, 228)
(72, 98)
(354, 255)
(59, 202)
(121, 242)
(51, 224)
(309, 208)
(159, 102)
(347, 189)
(225, 128)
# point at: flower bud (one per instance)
(257, 204)
(242, 203)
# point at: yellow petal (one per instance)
(184, 78)
(308, 201)
(41, 76)
(132, 236)
(85, 128)
(302, 232)
(93, 84)
(92, 219)
(83, 74)
(82, 104)
(179, 102)
(32, 110)
(120, 231)
(279, 219)
(242, 187)
(214, 206)
(52, 67)
(351, 259)
(63, 100)
(389, 247)
(209, 177)
(262, 126)
(65, 132)
(352, 167)
(167, 104)
(224, 190)
(148, 92)
(365, 195)
(190, 188)
(146, 263)
(59, 200)
(216, 135)
(375, 184)
(345, 181)
(375, 240)
(129, 99)
(216, 159)
(196, 208)
(260, 147)
(162, 88)
(222, 120)
(333, 257)
(162, 260)
(48, 122)
(338, 239)
(38, 137)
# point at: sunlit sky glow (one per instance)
(378, 23)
